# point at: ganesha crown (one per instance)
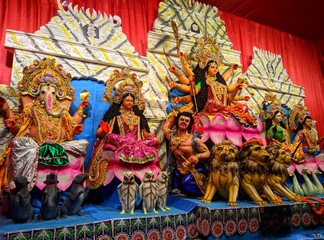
(298, 115)
(46, 72)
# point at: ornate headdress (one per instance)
(47, 72)
(207, 50)
(273, 103)
(128, 84)
(297, 115)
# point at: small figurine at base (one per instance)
(20, 201)
(149, 192)
(50, 199)
(127, 193)
(163, 185)
(72, 204)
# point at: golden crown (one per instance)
(48, 72)
(297, 115)
(274, 105)
(121, 83)
(207, 50)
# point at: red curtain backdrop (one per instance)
(300, 57)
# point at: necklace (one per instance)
(44, 123)
(176, 141)
(219, 90)
(130, 119)
(311, 137)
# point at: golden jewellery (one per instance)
(176, 141)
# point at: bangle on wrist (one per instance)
(80, 112)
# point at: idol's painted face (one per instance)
(183, 123)
(212, 69)
(308, 123)
(278, 118)
(128, 102)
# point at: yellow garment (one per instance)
(62, 129)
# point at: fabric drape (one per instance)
(300, 57)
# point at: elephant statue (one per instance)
(42, 133)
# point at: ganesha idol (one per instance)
(43, 132)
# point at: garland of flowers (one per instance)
(242, 115)
(308, 199)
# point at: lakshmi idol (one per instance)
(124, 142)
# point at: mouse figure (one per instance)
(127, 193)
(19, 198)
(148, 192)
(163, 184)
(50, 199)
(78, 193)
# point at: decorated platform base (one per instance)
(187, 219)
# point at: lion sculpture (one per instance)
(254, 167)
(278, 173)
(224, 173)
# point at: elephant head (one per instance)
(47, 81)
(47, 96)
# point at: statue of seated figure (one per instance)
(207, 87)
(43, 132)
(124, 142)
(276, 127)
(308, 137)
(187, 82)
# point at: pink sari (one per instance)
(126, 151)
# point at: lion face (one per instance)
(279, 155)
(224, 152)
(283, 157)
(254, 158)
(259, 155)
